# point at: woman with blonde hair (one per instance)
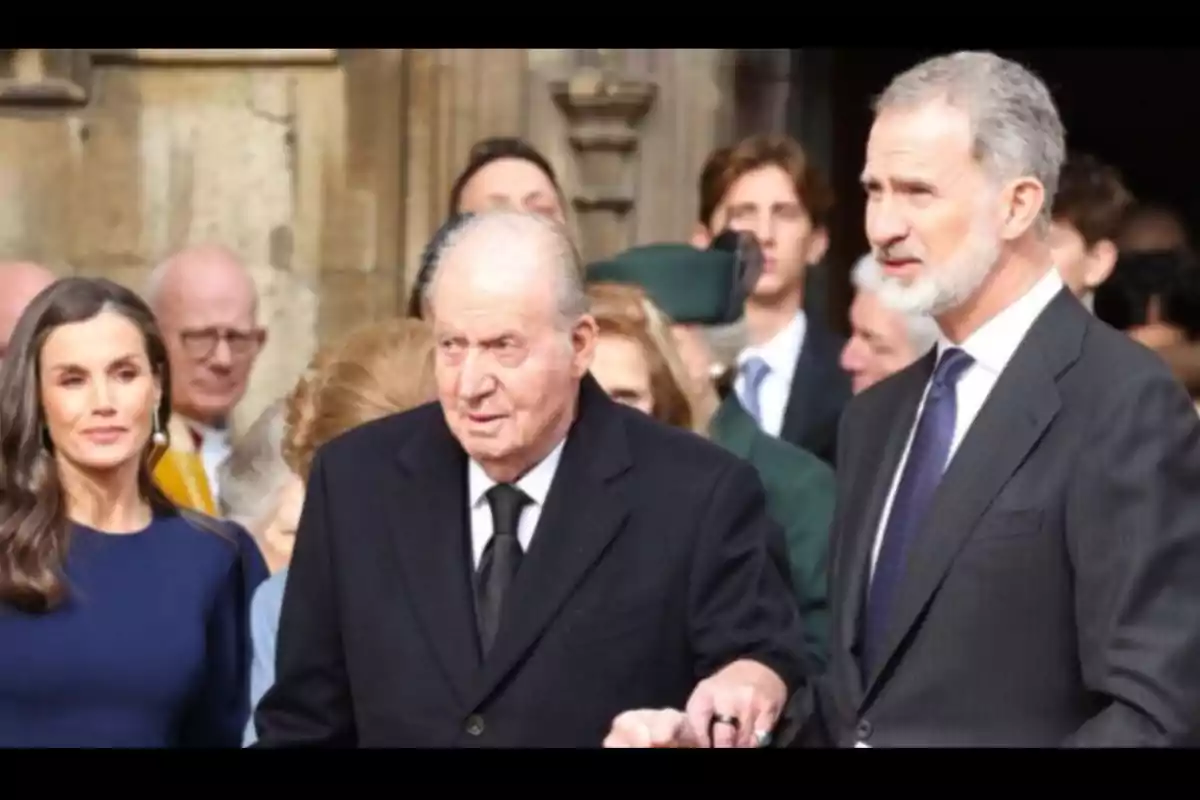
(380, 369)
(637, 351)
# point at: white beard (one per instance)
(938, 288)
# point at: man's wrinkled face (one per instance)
(508, 366)
(878, 345)
(764, 202)
(932, 213)
(513, 184)
(213, 339)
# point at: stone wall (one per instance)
(327, 170)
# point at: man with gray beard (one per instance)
(1016, 540)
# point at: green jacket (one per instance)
(800, 497)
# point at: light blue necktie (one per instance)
(754, 371)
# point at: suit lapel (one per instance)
(430, 533)
(863, 520)
(1015, 416)
(585, 509)
(813, 382)
(733, 428)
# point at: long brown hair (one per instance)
(34, 528)
(380, 369)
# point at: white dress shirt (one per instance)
(992, 347)
(214, 448)
(780, 353)
(535, 484)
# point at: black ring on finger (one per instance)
(727, 719)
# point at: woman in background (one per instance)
(1154, 298)
(122, 619)
(636, 347)
(378, 370)
(259, 491)
(631, 365)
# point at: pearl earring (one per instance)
(158, 438)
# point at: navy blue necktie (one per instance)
(922, 472)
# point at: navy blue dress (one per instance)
(151, 648)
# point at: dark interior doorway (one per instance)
(1121, 105)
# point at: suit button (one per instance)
(475, 725)
(863, 731)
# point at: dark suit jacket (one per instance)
(1052, 598)
(800, 490)
(649, 570)
(820, 390)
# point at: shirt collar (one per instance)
(535, 483)
(993, 345)
(782, 351)
(207, 431)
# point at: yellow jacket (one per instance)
(180, 471)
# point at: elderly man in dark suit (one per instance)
(513, 566)
(1016, 540)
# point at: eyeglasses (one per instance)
(202, 343)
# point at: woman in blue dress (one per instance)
(123, 620)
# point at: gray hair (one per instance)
(727, 341)
(548, 236)
(253, 475)
(1016, 128)
(867, 276)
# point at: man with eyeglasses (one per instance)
(207, 306)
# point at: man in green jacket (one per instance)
(698, 290)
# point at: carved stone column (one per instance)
(37, 78)
(603, 112)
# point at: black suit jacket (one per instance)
(819, 392)
(649, 570)
(1052, 598)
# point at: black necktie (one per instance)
(500, 560)
(922, 473)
